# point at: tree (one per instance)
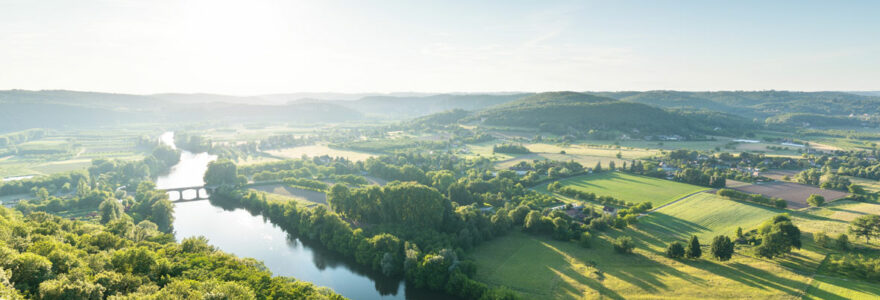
(222, 173)
(821, 239)
(110, 209)
(816, 200)
(623, 245)
(598, 167)
(778, 237)
(534, 222)
(29, 270)
(865, 226)
(693, 249)
(675, 250)
(163, 215)
(42, 194)
(842, 242)
(722, 248)
(585, 240)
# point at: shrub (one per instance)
(623, 245)
(815, 200)
(693, 250)
(675, 250)
(722, 248)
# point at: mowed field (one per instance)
(319, 150)
(538, 267)
(630, 188)
(704, 215)
(795, 194)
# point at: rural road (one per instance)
(676, 200)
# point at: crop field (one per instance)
(630, 188)
(795, 194)
(319, 150)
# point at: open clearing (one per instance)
(628, 187)
(301, 195)
(319, 150)
(795, 194)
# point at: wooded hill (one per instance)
(577, 113)
(757, 104)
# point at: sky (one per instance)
(266, 46)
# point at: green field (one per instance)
(630, 188)
(542, 268)
(704, 215)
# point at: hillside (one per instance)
(410, 107)
(577, 113)
(56, 109)
(757, 104)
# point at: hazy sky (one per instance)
(256, 47)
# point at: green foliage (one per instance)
(753, 198)
(693, 249)
(816, 200)
(510, 149)
(623, 245)
(223, 173)
(866, 226)
(57, 258)
(855, 266)
(110, 209)
(778, 236)
(722, 248)
(675, 250)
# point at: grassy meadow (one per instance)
(628, 187)
(539, 267)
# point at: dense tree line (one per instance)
(18, 137)
(753, 198)
(48, 257)
(510, 149)
(855, 266)
(825, 180)
(431, 266)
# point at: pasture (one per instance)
(628, 187)
(704, 215)
(538, 267)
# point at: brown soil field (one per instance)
(795, 194)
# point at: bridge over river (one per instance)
(201, 192)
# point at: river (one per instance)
(235, 230)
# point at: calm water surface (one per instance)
(235, 230)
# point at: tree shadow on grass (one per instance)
(660, 223)
(751, 276)
(590, 282)
(640, 270)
